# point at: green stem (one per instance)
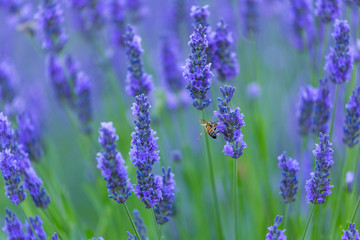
(131, 220)
(308, 221)
(212, 180)
(355, 210)
(287, 206)
(156, 225)
(235, 198)
(27, 219)
(334, 110)
(49, 218)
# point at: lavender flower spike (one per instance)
(322, 108)
(37, 225)
(164, 209)
(131, 237)
(112, 166)
(83, 101)
(339, 62)
(13, 226)
(50, 19)
(251, 15)
(143, 154)
(196, 71)
(223, 60)
(55, 237)
(11, 173)
(230, 123)
(327, 10)
(274, 233)
(318, 186)
(352, 119)
(36, 189)
(7, 92)
(138, 82)
(117, 15)
(351, 233)
(288, 185)
(305, 109)
(139, 224)
(301, 20)
(200, 15)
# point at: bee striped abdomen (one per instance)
(210, 129)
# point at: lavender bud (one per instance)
(36, 189)
(139, 224)
(352, 119)
(131, 237)
(327, 10)
(55, 237)
(13, 226)
(37, 225)
(305, 109)
(318, 186)
(322, 108)
(339, 63)
(288, 185)
(7, 92)
(83, 101)
(138, 82)
(111, 164)
(349, 181)
(351, 233)
(275, 233)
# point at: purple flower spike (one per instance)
(230, 123)
(50, 20)
(349, 179)
(144, 153)
(223, 60)
(251, 15)
(83, 101)
(197, 72)
(11, 174)
(306, 109)
(288, 185)
(339, 62)
(131, 237)
(36, 189)
(111, 164)
(351, 233)
(55, 237)
(165, 208)
(318, 186)
(327, 10)
(322, 108)
(72, 68)
(275, 233)
(200, 15)
(139, 223)
(117, 15)
(352, 119)
(13, 226)
(36, 223)
(7, 92)
(301, 20)
(138, 82)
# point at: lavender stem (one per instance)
(27, 219)
(156, 225)
(355, 210)
(235, 198)
(131, 221)
(308, 221)
(334, 111)
(287, 206)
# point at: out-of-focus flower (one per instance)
(223, 60)
(140, 226)
(136, 10)
(352, 119)
(36, 223)
(131, 237)
(7, 92)
(318, 186)
(230, 123)
(288, 185)
(111, 164)
(83, 101)
(117, 16)
(250, 16)
(55, 237)
(322, 108)
(144, 153)
(72, 68)
(302, 20)
(327, 10)
(355, 51)
(200, 15)
(50, 20)
(305, 109)
(164, 209)
(253, 90)
(197, 71)
(351, 234)
(339, 61)
(12, 177)
(349, 181)
(176, 156)
(138, 82)
(36, 189)
(13, 227)
(274, 232)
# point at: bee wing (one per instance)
(202, 121)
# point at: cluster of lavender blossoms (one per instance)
(250, 16)
(14, 228)
(197, 71)
(138, 82)
(165, 208)
(327, 10)
(274, 232)
(318, 186)
(117, 16)
(230, 122)
(83, 101)
(305, 109)
(223, 60)
(339, 62)
(139, 223)
(352, 119)
(302, 21)
(111, 164)
(288, 185)
(143, 154)
(55, 237)
(200, 15)
(351, 233)
(7, 92)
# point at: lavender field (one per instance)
(179, 119)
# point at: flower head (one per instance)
(7, 92)
(288, 185)
(301, 20)
(327, 10)
(55, 237)
(352, 119)
(196, 71)
(305, 109)
(117, 16)
(111, 164)
(250, 17)
(322, 108)
(13, 227)
(339, 61)
(275, 233)
(318, 186)
(138, 82)
(36, 189)
(83, 101)
(200, 15)
(351, 233)
(140, 226)
(36, 224)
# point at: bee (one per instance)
(210, 128)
